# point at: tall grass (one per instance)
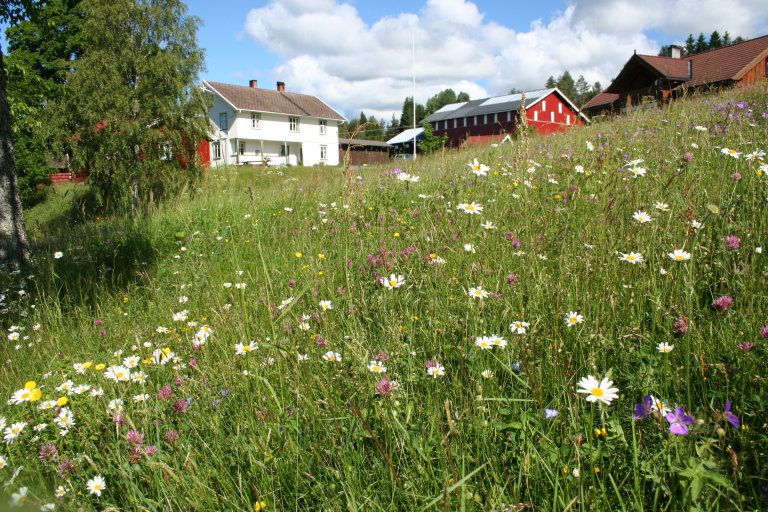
(252, 253)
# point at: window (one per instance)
(552, 116)
(223, 121)
(535, 115)
(475, 120)
(509, 116)
(323, 152)
(216, 146)
(255, 121)
(485, 118)
(166, 152)
(323, 127)
(445, 125)
(465, 122)
(241, 147)
(495, 118)
(559, 108)
(294, 124)
(455, 121)
(568, 119)
(544, 105)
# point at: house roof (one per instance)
(727, 63)
(713, 66)
(602, 99)
(495, 104)
(272, 101)
(406, 136)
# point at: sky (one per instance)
(357, 55)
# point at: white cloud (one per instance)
(673, 17)
(328, 50)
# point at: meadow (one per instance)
(576, 322)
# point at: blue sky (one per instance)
(356, 55)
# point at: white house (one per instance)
(273, 127)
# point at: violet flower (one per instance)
(730, 417)
(679, 421)
(550, 414)
(643, 409)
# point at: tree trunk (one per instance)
(14, 249)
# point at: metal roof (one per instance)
(492, 105)
(406, 136)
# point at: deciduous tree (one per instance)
(132, 109)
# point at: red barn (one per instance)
(489, 120)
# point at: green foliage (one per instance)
(701, 44)
(430, 142)
(132, 114)
(42, 47)
(578, 91)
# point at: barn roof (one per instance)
(495, 104)
(272, 101)
(718, 65)
(406, 136)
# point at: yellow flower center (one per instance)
(470, 207)
(392, 282)
(598, 392)
(246, 348)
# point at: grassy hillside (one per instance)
(310, 339)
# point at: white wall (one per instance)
(274, 131)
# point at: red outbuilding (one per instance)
(489, 120)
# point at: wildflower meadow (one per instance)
(575, 322)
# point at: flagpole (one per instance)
(413, 57)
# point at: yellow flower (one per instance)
(62, 401)
(30, 385)
(601, 433)
(321, 256)
(259, 506)
(396, 234)
(100, 367)
(298, 254)
(87, 364)
(125, 298)
(321, 273)
(597, 469)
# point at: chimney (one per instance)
(253, 84)
(280, 86)
(675, 51)
(690, 69)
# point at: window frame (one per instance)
(323, 152)
(216, 149)
(294, 122)
(323, 127)
(223, 121)
(256, 120)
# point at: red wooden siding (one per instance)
(490, 128)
